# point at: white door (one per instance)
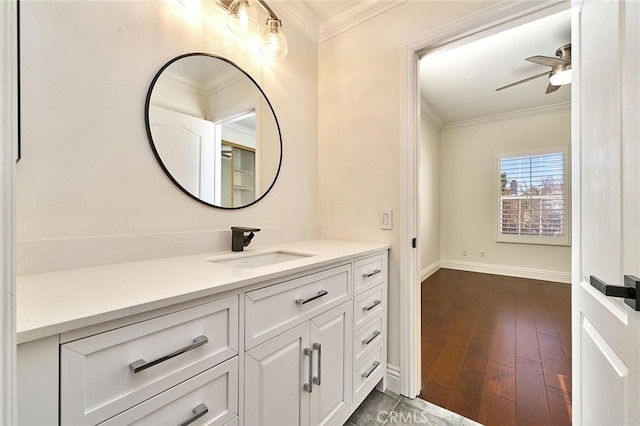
(331, 342)
(606, 331)
(187, 147)
(276, 373)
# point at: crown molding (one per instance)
(298, 14)
(181, 81)
(429, 114)
(353, 14)
(211, 86)
(491, 119)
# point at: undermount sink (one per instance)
(247, 260)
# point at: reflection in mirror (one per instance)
(213, 131)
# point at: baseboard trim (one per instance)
(430, 270)
(393, 378)
(511, 271)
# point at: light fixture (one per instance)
(243, 21)
(274, 43)
(560, 75)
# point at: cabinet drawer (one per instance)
(366, 338)
(212, 394)
(97, 378)
(368, 305)
(368, 373)
(271, 310)
(368, 273)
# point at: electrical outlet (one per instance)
(481, 253)
(464, 252)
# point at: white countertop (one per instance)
(55, 302)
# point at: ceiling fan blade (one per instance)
(547, 61)
(524, 81)
(551, 88)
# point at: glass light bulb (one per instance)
(274, 44)
(243, 19)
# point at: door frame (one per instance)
(492, 19)
(8, 156)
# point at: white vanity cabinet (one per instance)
(318, 388)
(302, 376)
(370, 324)
(300, 347)
(319, 371)
(106, 374)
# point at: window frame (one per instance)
(564, 240)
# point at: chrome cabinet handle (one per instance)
(371, 306)
(198, 412)
(141, 364)
(369, 275)
(316, 379)
(303, 301)
(309, 386)
(368, 340)
(371, 369)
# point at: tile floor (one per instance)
(390, 409)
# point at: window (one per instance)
(533, 196)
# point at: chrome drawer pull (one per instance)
(371, 369)
(368, 340)
(371, 306)
(316, 379)
(309, 386)
(369, 275)
(141, 364)
(198, 412)
(320, 294)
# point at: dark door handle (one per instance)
(628, 291)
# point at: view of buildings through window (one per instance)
(533, 195)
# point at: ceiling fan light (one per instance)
(560, 77)
(243, 19)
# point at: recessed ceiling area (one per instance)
(459, 83)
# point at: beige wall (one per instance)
(429, 189)
(468, 195)
(89, 189)
(359, 129)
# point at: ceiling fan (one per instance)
(559, 74)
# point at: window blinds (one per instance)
(533, 195)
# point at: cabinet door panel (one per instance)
(331, 336)
(275, 374)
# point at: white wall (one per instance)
(359, 129)
(167, 93)
(429, 189)
(89, 188)
(468, 193)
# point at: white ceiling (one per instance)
(459, 83)
(325, 8)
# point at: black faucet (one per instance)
(238, 238)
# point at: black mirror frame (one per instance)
(155, 152)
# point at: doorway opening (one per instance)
(462, 215)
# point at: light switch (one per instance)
(386, 219)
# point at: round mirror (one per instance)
(213, 131)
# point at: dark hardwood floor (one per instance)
(497, 349)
